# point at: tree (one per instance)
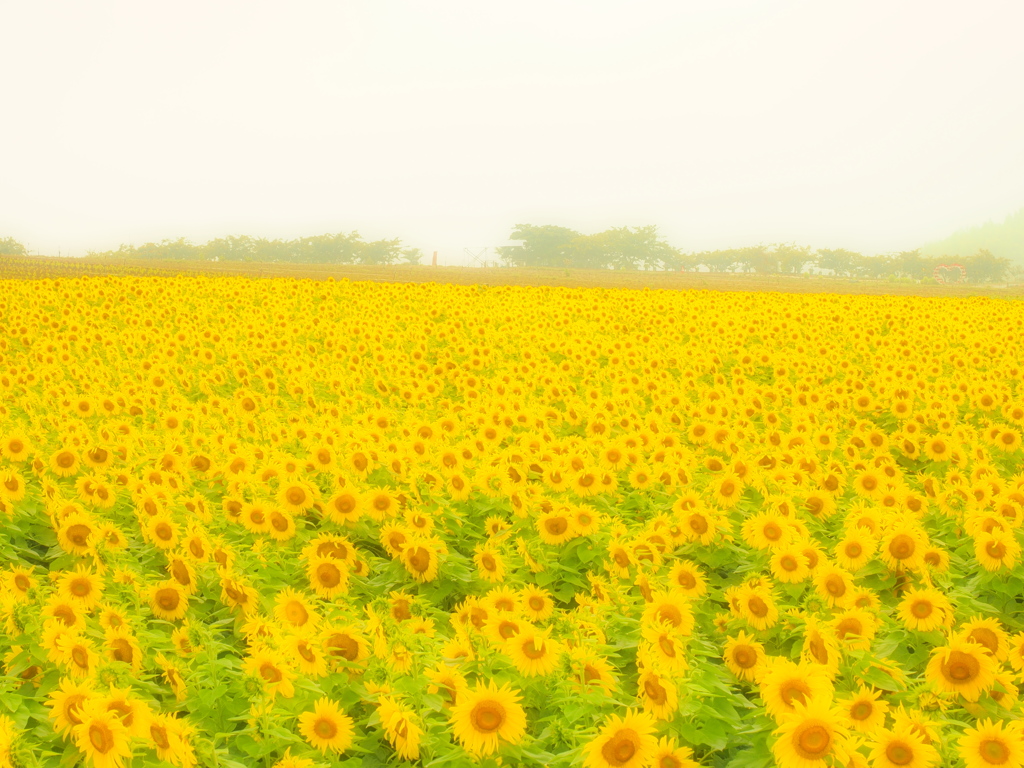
(793, 258)
(839, 261)
(11, 247)
(983, 267)
(543, 246)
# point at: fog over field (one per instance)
(878, 127)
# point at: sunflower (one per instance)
(536, 603)
(902, 748)
(785, 685)
(76, 533)
(344, 644)
(757, 607)
(688, 579)
(658, 695)
(485, 716)
(924, 610)
(327, 577)
(834, 585)
(168, 600)
(856, 549)
(400, 727)
(306, 654)
(668, 755)
(533, 652)
(864, 711)
(556, 527)
(345, 507)
(789, 565)
(490, 564)
(101, 736)
(64, 463)
(664, 648)
(989, 634)
(810, 736)
(66, 702)
(326, 727)
(744, 656)
(766, 530)
(672, 608)
(420, 558)
(133, 713)
(273, 672)
(996, 549)
(293, 609)
(962, 667)
(170, 738)
(82, 587)
(623, 742)
(122, 645)
(992, 743)
(903, 545)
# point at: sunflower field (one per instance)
(285, 523)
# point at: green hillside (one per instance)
(1005, 239)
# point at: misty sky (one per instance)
(876, 125)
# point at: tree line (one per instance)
(643, 248)
(630, 248)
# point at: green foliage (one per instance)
(340, 248)
(11, 247)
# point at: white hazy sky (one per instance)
(875, 125)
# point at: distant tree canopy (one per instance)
(617, 248)
(643, 248)
(339, 248)
(11, 247)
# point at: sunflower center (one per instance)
(744, 656)
(818, 650)
(902, 546)
(686, 580)
(813, 742)
(698, 524)
(921, 609)
(531, 651)
(159, 735)
(670, 614)
(325, 729)
(79, 535)
(303, 650)
(65, 459)
(772, 532)
(758, 607)
(509, 629)
(994, 752)
(101, 738)
(900, 753)
(167, 599)
(961, 667)
(121, 650)
(667, 646)
(996, 550)
(296, 613)
(836, 586)
(536, 603)
(861, 710)
(80, 657)
(985, 637)
(621, 747)
(854, 550)
(344, 646)
(270, 673)
(654, 690)
(788, 563)
(556, 526)
(794, 691)
(419, 559)
(487, 716)
(81, 587)
(328, 575)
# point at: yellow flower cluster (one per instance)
(280, 522)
